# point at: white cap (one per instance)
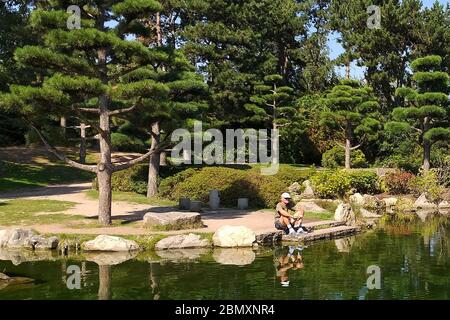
(286, 195)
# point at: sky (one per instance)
(336, 49)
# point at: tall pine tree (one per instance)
(353, 110)
(426, 106)
(78, 72)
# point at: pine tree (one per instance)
(79, 71)
(272, 102)
(352, 109)
(426, 111)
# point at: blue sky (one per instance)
(336, 48)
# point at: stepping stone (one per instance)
(328, 233)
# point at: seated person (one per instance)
(288, 219)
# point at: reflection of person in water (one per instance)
(289, 261)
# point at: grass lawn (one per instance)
(19, 212)
(133, 198)
(319, 215)
(16, 176)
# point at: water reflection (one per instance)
(178, 255)
(288, 259)
(413, 258)
(234, 256)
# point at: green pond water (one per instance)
(414, 263)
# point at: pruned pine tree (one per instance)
(78, 71)
(353, 110)
(426, 106)
(185, 98)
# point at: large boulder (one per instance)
(173, 220)
(371, 202)
(24, 238)
(234, 256)
(110, 243)
(295, 188)
(444, 204)
(369, 214)
(182, 241)
(390, 202)
(357, 199)
(308, 193)
(422, 202)
(234, 236)
(344, 212)
(310, 206)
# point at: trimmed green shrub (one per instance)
(335, 157)
(331, 183)
(122, 142)
(336, 183)
(398, 182)
(169, 183)
(364, 181)
(427, 182)
(289, 174)
(262, 191)
(133, 179)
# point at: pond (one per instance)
(413, 262)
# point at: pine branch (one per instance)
(63, 157)
(124, 110)
(130, 163)
(89, 110)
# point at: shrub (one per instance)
(409, 163)
(336, 183)
(289, 174)
(331, 183)
(122, 142)
(169, 183)
(364, 181)
(262, 191)
(427, 182)
(133, 179)
(398, 182)
(335, 157)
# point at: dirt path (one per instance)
(259, 221)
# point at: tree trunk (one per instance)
(104, 167)
(104, 282)
(154, 162)
(347, 153)
(63, 124)
(426, 155)
(158, 29)
(82, 143)
(347, 70)
(426, 146)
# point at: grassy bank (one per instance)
(133, 198)
(20, 212)
(15, 176)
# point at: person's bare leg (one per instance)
(286, 221)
